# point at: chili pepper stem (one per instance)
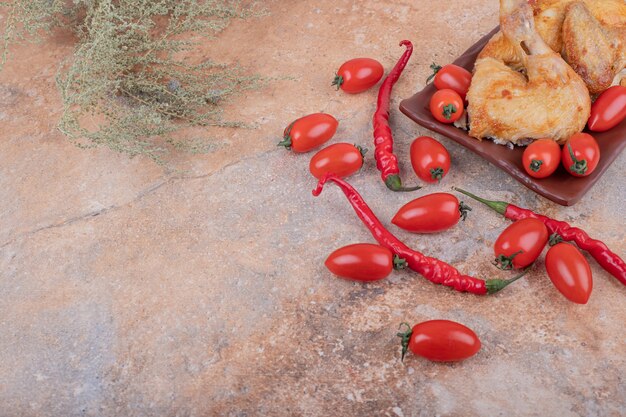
(495, 285)
(394, 183)
(405, 337)
(498, 206)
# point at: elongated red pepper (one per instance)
(386, 161)
(432, 269)
(612, 263)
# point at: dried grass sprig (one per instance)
(126, 86)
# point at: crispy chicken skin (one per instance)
(595, 52)
(590, 34)
(550, 101)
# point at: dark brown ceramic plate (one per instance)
(561, 187)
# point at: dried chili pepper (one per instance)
(386, 161)
(432, 269)
(612, 263)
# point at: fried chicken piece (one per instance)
(504, 104)
(594, 52)
(550, 14)
(590, 34)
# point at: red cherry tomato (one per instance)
(358, 75)
(431, 213)
(569, 271)
(541, 158)
(440, 341)
(581, 155)
(608, 110)
(520, 244)
(453, 77)
(362, 262)
(446, 106)
(309, 132)
(430, 159)
(342, 159)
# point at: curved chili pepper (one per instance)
(609, 260)
(432, 269)
(386, 161)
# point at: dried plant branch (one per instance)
(126, 86)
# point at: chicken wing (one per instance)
(595, 52)
(590, 34)
(504, 104)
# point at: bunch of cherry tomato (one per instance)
(430, 159)
(580, 154)
(437, 340)
(518, 246)
(452, 83)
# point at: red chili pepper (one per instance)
(386, 161)
(432, 269)
(612, 263)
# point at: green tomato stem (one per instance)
(555, 239)
(436, 173)
(448, 111)
(362, 150)
(399, 263)
(464, 209)
(505, 263)
(338, 81)
(436, 68)
(535, 165)
(405, 337)
(580, 165)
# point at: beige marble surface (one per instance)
(128, 289)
